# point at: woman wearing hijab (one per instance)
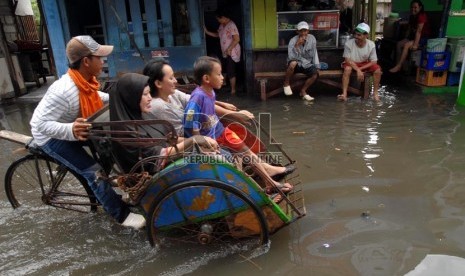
(129, 99)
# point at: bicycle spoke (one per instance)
(35, 180)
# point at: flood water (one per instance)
(384, 186)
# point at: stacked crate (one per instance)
(434, 63)
(456, 45)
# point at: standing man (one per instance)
(302, 58)
(360, 55)
(60, 129)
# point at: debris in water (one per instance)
(298, 132)
(428, 150)
(365, 214)
(366, 189)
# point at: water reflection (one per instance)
(383, 183)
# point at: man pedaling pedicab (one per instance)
(59, 125)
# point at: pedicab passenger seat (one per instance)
(102, 137)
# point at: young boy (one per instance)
(200, 118)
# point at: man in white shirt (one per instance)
(59, 125)
(360, 55)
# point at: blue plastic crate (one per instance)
(453, 78)
(435, 60)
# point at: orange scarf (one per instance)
(89, 99)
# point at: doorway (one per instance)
(212, 44)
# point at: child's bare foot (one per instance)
(284, 187)
(341, 98)
(276, 196)
(376, 98)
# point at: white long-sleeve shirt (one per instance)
(56, 112)
(306, 55)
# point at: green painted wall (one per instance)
(264, 24)
(258, 24)
(455, 23)
(404, 5)
(271, 24)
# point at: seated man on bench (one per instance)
(302, 58)
(360, 55)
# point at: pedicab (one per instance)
(186, 199)
(202, 199)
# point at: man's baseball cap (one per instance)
(302, 25)
(362, 28)
(83, 46)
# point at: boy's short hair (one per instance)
(204, 66)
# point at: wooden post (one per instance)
(9, 62)
(263, 89)
(366, 87)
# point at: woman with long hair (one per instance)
(418, 32)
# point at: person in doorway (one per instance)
(302, 58)
(360, 56)
(200, 118)
(417, 34)
(231, 49)
(60, 129)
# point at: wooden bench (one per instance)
(325, 76)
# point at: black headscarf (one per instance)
(125, 97)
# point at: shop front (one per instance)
(274, 24)
(138, 30)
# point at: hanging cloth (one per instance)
(89, 99)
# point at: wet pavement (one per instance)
(383, 182)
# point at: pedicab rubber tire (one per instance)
(27, 164)
(209, 183)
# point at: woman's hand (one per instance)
(206, 143)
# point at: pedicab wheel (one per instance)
(206, 212)
(35, 180)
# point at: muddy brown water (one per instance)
(384, 185)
